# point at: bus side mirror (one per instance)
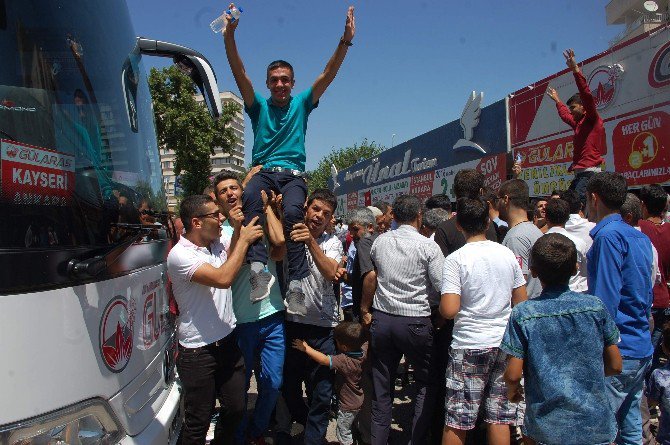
(192, 63)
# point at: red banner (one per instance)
(641, 148)
(34, 175)
(493, 169)
(544, 167)
(421, 185)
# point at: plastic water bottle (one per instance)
(518, 158)
(219, 23)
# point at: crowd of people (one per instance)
(507, 314)
(554, 324)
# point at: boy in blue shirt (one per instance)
(564, 344)
(279, 125)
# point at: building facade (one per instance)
(233, 161)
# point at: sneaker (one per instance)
(261, 282)
(295, 302)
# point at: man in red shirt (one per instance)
(581, 114)
(654, 202)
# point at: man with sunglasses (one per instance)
(210, 363)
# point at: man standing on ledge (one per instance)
(582, 116)
(279, 125)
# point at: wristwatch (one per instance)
(346, 42)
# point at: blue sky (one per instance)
(412, 64)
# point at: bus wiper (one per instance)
(92, 267)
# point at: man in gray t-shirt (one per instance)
(522, 234)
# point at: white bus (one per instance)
(87, 341)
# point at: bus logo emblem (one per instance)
(116, 334)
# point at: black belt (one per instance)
(213, 345)
(291, 171)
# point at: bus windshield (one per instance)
(78, 154)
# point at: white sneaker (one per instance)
(261, 282)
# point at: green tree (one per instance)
(184, 125)
(342, 158)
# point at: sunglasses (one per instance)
(208, 215)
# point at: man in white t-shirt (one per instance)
(576, 224)
(480, 283)
(324, 252)
(557, 213)
(210, 363)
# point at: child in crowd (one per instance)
(348, 364)
(481, 281)
(658, 391)
(564, 343)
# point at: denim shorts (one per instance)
(475, 378)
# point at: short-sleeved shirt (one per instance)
(349, 369)
(362, 265)
(520, 240)
(561, 336)
(279, 132)
(407, 263)
(346, 292)
(205, 313)
(577, 281)
(245, 310)
(322, 305)
(658, 389)
(659, 234)
(483, 273)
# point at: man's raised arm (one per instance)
(235, 61)
(333, 65)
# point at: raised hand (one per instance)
(350, 26)
(553, 94)
(255, 169)
(570, 61)
(231, 24)
(251, 232)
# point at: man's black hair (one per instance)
(440, 201)
(406, 208)
(610, 187)
(191, 207)
(557, 212)
(575, 98)
(472, 215)
(468, 183)
(279, 64)
(517, 191)
(349, 334)
(654, 198)
(553, 258)
(324, 195)
(572, 198)
(225, 175)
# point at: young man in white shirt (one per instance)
(210, 363)
(324, 252)
(480, 283)
(557, 213)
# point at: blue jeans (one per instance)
(578, 184)
(318, 380)
(624, 392)
(262, 341)
(294, 193)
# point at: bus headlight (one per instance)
(86, 423)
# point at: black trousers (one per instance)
(207, 373)
(391, 337)
(294, 193)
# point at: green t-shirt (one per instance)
(245, 311)
(279, 132)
